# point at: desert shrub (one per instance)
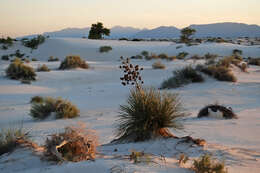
(182, 77)
(254, 61)
(163, 56)
(227, 61)
(140, 157)
(220, 73)
(121, 39)
(103, 49)
(182, 55)
(9, 137)
(158, 65)
(34, 42)
(210, 56)
(152, 56)
(205, 164)
(137, 57)
(61, 109)
(243, 66)
(237, 52)
(145, 53)
(51, 59)
(147, 114)
(43, 68)
(73, 61)
(196, 57)
(37, 99)
(137, 39)
(6, 41)
(74, 144)
(17, 70)
(5, 57)
(227, 112)
(18, 54)
(34, 59)
(4, 47)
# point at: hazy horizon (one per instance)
(26, 17)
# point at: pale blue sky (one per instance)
(22, 17)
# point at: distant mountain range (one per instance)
(225, 30)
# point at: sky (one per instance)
(25, 17)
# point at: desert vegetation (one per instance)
(43, 68)
(34, 42)
(19, 71)
(182, 77)
(158, 65)
(73, 61)
(186, 34)
(254, 61)
(52, 59)
(75, 144)
(43, 108)
(97, 31)
(104, 49)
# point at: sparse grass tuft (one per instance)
(73, 61)
(61, 108)
(9, 137)
(205, 164)
(147, 114)
(43, 68)
(75, 144)
(104, 49)
(158, 65)
(182, 77)
(19, 71)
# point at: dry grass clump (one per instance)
(226, 112)
(74, 144)
(205, 164)
(43, 68)
(221, 73)
(210, 56)
(182, 55)
(163, 56)
(19, 71)
(254, 61)
(233, 59)
(61, 108)
(37, 99)
(104, 49)
(182, 77)
(73, 61)
(51, 59)
(9, 139)
(147, 114)
(158, 65)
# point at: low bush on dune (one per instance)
(56, 106)
(210, 56)
(34, 59)
(205, 164)
(145, 53)
(182, 77)
(223, 111)
(37, 99)
(147, 114)
(158, 65)
(227, 61)
(73, 61)
(182, 55)
(254, 61)
(104, 49)
(52, 59)
(9, 139)
(5, 57)
(19, 71)
(43, 68)
(163, 56)
(220, 73)
(74, 144)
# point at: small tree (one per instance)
(186, 33)
(97, 31)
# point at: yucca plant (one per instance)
(147, 114)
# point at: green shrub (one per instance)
(210, 56)
(182, 77)
(34, 59)
(206, 165)
(158, 65)
(61, 108)
(9, 137)
(43, 68)
(37, 99)
(34, 42)
(146, 113)
(227, 61)
(237, 52)
(254, 61)
(73, 61)
(5, 57)
(137, 57)
(51, 59)
(17, 70)
(182, 55)
(103, 49)
(163, 56)
(227, 112)
(145, 53)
